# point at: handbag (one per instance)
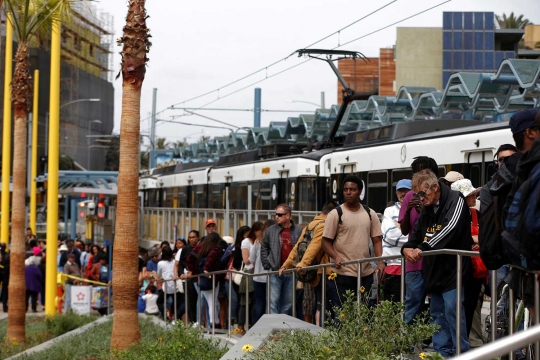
(180, 286)
(237, 278)
(230, 267)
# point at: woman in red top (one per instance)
(473, 284)
(205, 258)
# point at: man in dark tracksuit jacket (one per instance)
(444, 223)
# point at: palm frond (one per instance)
(31, 17)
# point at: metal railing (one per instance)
(484, 352)
(167, 224)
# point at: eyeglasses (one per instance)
(421, 193)
(280, 215)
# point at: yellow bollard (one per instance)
(34, 170)
(53, 160)
(6, 139)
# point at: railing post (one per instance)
(402, 283)
(174, 301)
(323, 298)
(511, 316)
(459, 304)
(186, 303)
(358, 283)
(213, 312)
(199, 305)
(536, 313)
(268, 290)
(229, 305)
(246, 324)
(494, 314)
(164, 301)
(293, 292)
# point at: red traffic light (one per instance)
(82, 214)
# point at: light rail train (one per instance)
(379, 156)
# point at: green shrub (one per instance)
(358, 332)
(180, 342)
(64, 323)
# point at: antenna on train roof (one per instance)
(348, 93)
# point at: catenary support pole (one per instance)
(6, 136)
(53, 160)
(33, 172)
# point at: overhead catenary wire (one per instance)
(265, 68)
(309, 59)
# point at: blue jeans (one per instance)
(281, 293)
(415, 295)
(259, 305)
(336, 290)
(234, 300)
(203, 306)
(443, 313)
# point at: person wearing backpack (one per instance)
(520, 221)
(348, 230)
(393, 240)
(308, 252)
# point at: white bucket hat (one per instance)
(464, 186)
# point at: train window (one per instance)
(200, 200)
(377, 190)
(255, 198)
(442, 171)
(385, 132)
(182, 197)
(216, 200)
(266, 195)
(373, 134)
(307, 194)
(166, 198)
(475, 175)
(396, 176)
(174, 197)
(490, 171)
(238, 196)
(359, 137)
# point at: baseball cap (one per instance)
(452, 176)
(404, 184)
(523, 120)
(464, 186)
(210, 222)
(36, 251)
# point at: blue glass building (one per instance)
(469, 43)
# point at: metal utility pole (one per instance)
(153, 126)
(257, 108)
(322, 100)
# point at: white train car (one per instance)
(382, 156)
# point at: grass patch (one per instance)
(156, 343)
(39, 329)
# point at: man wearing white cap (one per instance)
(393, 240)
(451, 177)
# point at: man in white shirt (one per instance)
(393, 240)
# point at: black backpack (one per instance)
(490, 229)
(521, 237)
(308, 275)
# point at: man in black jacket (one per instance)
(444, 223)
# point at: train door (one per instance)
(283, 195)
(480, 165)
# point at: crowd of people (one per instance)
(430, 212)
(76, 259)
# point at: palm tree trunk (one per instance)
(21, 90)
(135, 42)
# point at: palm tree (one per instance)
(511, 21)
(29, 18)
(162, 144)
(136, 44)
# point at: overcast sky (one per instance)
(200, 46)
